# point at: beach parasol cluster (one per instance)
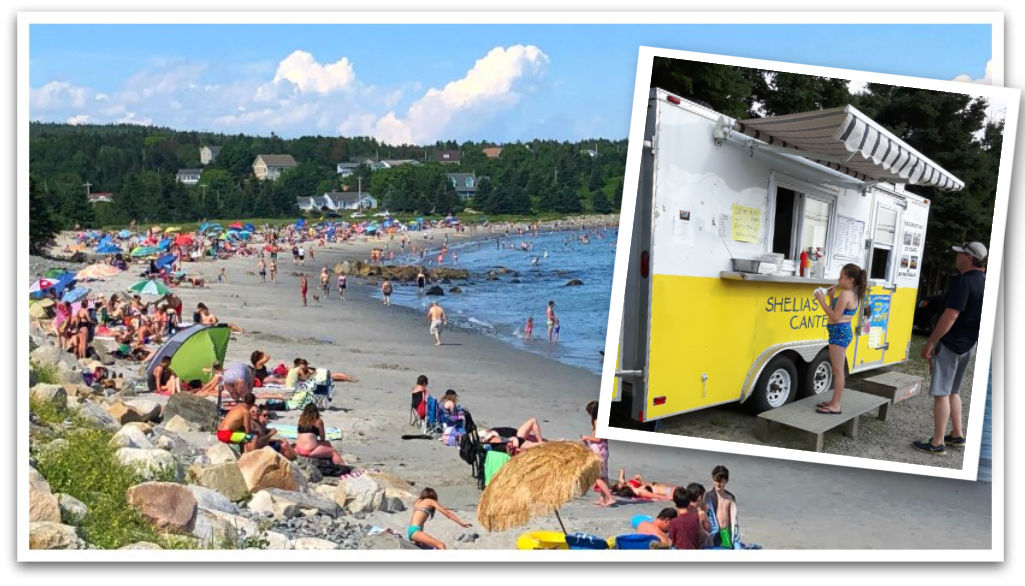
(536, 482)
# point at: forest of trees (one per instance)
(951, 129)
(138, 164)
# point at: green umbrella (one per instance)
(150, 287)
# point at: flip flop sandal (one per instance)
(827, 411)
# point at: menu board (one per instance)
(850, 238)
(747, 223)
(911, 249)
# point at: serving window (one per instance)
(800, 221)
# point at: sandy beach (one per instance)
(782, 504)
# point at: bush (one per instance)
(46, 373)
(87, 469)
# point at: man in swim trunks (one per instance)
(551, 319)
(236, 427)
(238, 380)
(436, 317)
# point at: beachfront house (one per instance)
(208, 154)
(448, 157)
(346, 169)
(270, 167)
(101, 197)
(336, 201)
(492, 152)
(188, 176)
(465, 184)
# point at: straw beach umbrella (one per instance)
(537, 482)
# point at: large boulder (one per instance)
(436, 290)
(167, 506)
(211, 529)
(265, 468)
(277, 540)
(574, 283)
(52, 535)
(309, 468)
(397, 492)
(43, 505)
(102, 354)
(131, 436)
(265, 504)
(179, 425)
(359, 495)
(55, 395)
(97, 416)
(240, 525)
(226, 479)
(148, 409)
(302, 500)
(221, 453)
(47, 354)
(313, 543)
(72, 509)
(198, 410)
(385, 540)
(150, 463)
(207, 498)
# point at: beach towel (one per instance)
(492, 462)
(289, 431)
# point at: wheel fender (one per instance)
(806, 349)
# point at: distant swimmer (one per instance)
(545, 255)
(535, 260)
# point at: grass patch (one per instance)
(45, 373)
(87, 469)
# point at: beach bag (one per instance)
(276, 405)
(466, 449)
(280, 370)
(452, 436)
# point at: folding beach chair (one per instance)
(472, 451)
(418, 410)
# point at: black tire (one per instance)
(776, 386)
(816, 376)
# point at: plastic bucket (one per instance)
(542, 540)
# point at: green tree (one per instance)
(42, 225)
(725, 88)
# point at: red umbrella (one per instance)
(41, 285)
(236, 225)
(182, 240)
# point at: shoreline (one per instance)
(784, 504)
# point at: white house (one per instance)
(346, 169)
(101, 197)
(270, 167)
(336, 201)
(208, 154)
(188, 176)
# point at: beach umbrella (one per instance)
(164, 243)
(150, 287)
(203, 226)
(108, 248)
(96, 271)
(125, 233)
(193, 349)
(235, 226)
(41, 285)
(537, 482)
(182, 240)
(172, 229)
(164, 261)
(249, 227)
(75, 295)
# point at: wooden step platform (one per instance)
(895, 386)
(801, 415)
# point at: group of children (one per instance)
(700, 519)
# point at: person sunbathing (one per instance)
(207, 318)
(512, 440)
(638, 487)
(311, 439)
(164, 381)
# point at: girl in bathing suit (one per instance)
(424, 509)
(842, 306)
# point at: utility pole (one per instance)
(87, 185)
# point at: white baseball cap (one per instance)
(976, 249)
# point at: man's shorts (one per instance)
(948, 368)
(435, 326)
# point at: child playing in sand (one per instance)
(528, 331)
(424, 509)
(222, 277)
(601, 447)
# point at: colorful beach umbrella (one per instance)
(235, 226)
(172, 229)
(249, 227)
(125, 233)
(150, 287)
(41, 285)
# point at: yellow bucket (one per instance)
(542, 540)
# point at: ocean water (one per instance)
(500, 308)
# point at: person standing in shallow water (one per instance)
(421, 281)
(551, 319)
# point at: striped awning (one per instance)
(850, 142)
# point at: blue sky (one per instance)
(421, 83)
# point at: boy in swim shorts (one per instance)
(236, 427)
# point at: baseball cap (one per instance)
(976, 249)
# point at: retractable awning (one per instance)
(850, 142)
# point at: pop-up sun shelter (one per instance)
(716, 310)
(193, 349)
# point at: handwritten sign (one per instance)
(850, 234)
(747, 223)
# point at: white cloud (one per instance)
(308, 76)
(856, 87)
(489, 86)
(78, 119)
(987, 78)
(131, 118)
(57, 94)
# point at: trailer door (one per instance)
(872, 324)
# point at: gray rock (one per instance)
(52, 394)
(151, 463)
(436, 291)
(455, 290)
(308, 466)
(574, 283)
(358, 495)
(198, 410)
(221, 454)
(385, 541)
(179, 424)
(305, 500)
(51, 535)
(72, 510)
(141, 545)
(98, 416)
(131, 436)
(207, 498)
(167, 506)
(46, 354)
(225, 479)
(276, 540)
(468, 537)
(33, 378)
(102, 354)
(211, 529)
(166, 443)
(265, 504)
(313, 543)
(148, 409)
(43, 505)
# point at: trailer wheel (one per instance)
(776, 387)
(817, 377)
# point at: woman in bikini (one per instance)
(637, 487)
(310, 441)
(424, 509)
(841, 309)
(511, 439)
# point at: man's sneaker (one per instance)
(927, 447)
(954, 442)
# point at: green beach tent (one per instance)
(193, 349)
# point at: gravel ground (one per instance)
(909, 420)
